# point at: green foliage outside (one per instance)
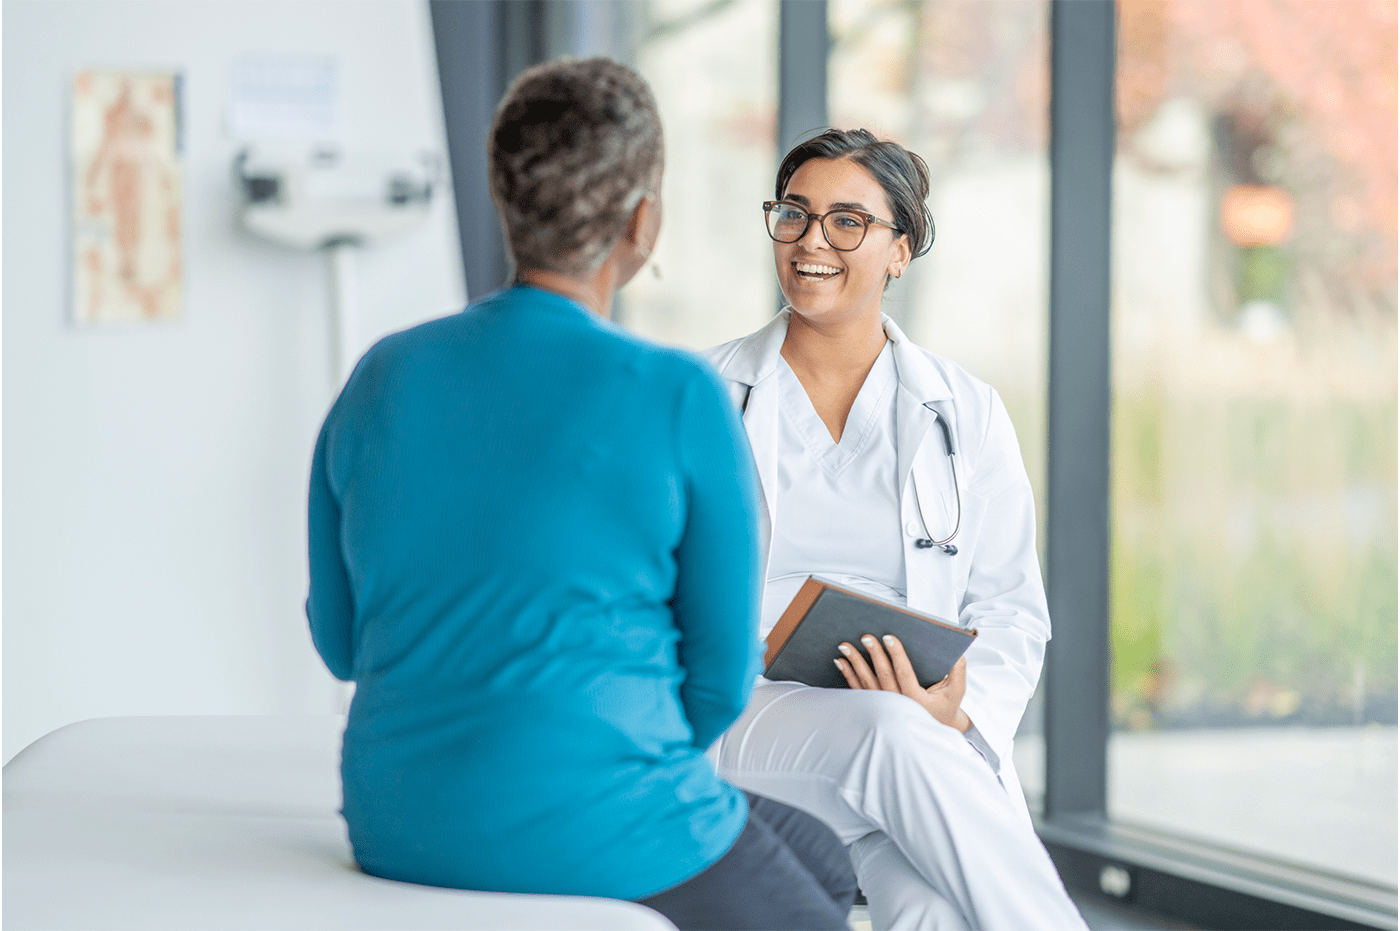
(1253, 562)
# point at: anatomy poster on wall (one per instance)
(127, 196)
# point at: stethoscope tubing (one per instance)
(947, 542)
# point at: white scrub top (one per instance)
(839, 501)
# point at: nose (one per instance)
(814, 237)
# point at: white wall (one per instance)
(154, 476)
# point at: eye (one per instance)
(848, 221)
(790, 214)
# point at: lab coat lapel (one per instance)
(923, 396)
(921, 388)
(761, 424)
(913, 421)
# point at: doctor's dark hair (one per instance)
(574, 147)
(902, 174)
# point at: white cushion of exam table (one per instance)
(222, 822)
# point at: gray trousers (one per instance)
(786, 872)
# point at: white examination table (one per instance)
(222, 822)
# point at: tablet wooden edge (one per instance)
(801, 603)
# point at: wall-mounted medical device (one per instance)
(322, 198)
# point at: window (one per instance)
(713, 68)
(1253, 590)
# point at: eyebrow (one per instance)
(840, 205)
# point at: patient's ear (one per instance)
(643, 226)
(645, 223)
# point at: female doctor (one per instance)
(892, 471)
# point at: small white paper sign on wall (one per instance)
(284, 97)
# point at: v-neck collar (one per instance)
(870, 401)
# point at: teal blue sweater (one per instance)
(532, 549)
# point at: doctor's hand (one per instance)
(894, 673)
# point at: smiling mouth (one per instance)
(813, 272)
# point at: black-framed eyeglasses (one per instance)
(844, 229)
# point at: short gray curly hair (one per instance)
(574, 147)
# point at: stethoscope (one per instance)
(927, 541)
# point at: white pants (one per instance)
(935, 840)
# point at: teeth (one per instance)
(809, 269)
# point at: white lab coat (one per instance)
(993, 584)
(877, 768)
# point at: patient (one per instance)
(531, 548)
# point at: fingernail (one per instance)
(845, 649)
(868, 640)
(838, 663)
(889, 641)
